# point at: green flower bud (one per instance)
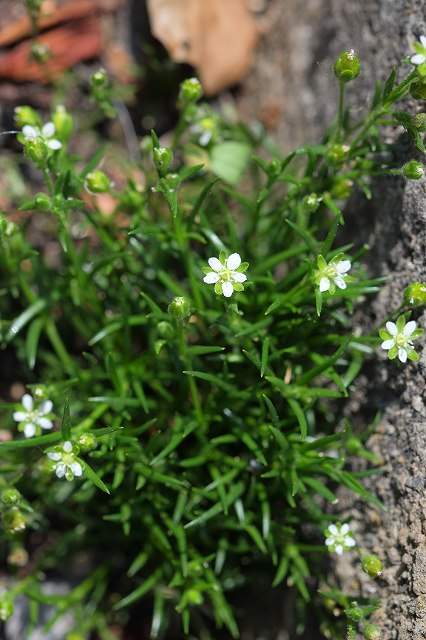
(193, 596)
(162, 158)
(166, 330)
(342, 188)
(40, 392)
(371, 632)
(347, 66)
(6, 608)
(10, 497)
(413, 170)
(337, 153)
(97, 182)
(87, 442)
(99, 78)
(13, 520)
(354, 612)
(311, 203)
(273, 167)
(372, 565)
(190, 91)
(42, 201)
(26, 115)
(418, 89)
(179, 308)
(40, 52)
(415, 294)
(36, 150)
(63, 122)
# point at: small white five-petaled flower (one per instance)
(398, 339)
(332, 274)
(46, 133)
(33, 419)
(419, 58)
(226, 273)
(339, 538)
(66, 461)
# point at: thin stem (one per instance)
(191, 382)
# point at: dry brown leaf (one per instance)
(217, 37)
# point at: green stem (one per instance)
(192, 384)
(339, 130)
(183, 244)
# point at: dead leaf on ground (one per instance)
(217, 37)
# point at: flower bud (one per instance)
(179, 308)
(36, 150)
(99, 78)
(87, 442)
(413, 170)
(342, 188)
(354, 612)
(193, 597)
(10, 496)
(337, 153)
(311, 203)
(97, 182)
(13, 520)
(418, 89)
(41, 201)
(26, 115)
(63, 122)
(166, 330)
(273, 167)
(347, 66)
(415, 294)
(162, 158)
(190, 91)
(371, 632)
(6, 608)
(40, 52)
(372, 565)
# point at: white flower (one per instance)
(66, 461)
(339, 538)
(398, 339)
(226, 273)
(332, 274)
(420, 56)
(46, 133)
(33, 419)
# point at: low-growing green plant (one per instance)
(185, 362)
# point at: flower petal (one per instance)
(45, 407)
(54, 455)
(29, 430)
(211, 277)
(239, 277)
(391, 327)
(387, 344)
(418, 58)
(423, 41)
(343, 266)
(350, 542)
(324, 284)
(45, 423)
(233, 261)
(76, 469)
(402, 354)
(333, 529)
(227, 289)
(27, 402)
(67, 446)
(60, 469)
(409, 328)
(19, 416)
(339, 549)
(30, 132)
(54, 144)
(345, 528)
(338, 280)
(215, 264)
(329, 541)
(48, 130)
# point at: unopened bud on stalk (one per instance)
(190, 91)
(179, 308)
(97, 182)
(415, 294)
(162, 158)
(371, 632)
(413, 170)
(347, 66)
(372, 565)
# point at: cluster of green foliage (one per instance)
(208, 429)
